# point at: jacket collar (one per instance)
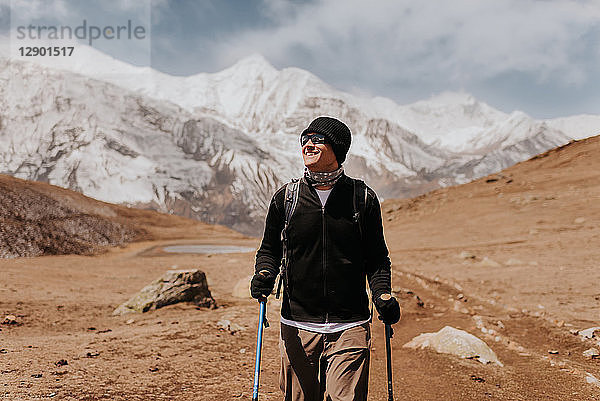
(344, 180)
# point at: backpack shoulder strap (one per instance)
(360, 205)
(292, 189)
(291, 199)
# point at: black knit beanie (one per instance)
(336, 132)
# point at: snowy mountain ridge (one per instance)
(253, 96)
(216, 146)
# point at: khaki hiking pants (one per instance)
(332, 367)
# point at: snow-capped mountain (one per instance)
(117, 146)
(216, 146)
(254, 96)
(577, 127)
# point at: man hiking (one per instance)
(325, 232)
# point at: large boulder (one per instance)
(173, 287)
(456, 342)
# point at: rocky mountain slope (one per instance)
(35, 222)
(39, 219)
(121, 147)
(214, 147)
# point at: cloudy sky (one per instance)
(538, 56)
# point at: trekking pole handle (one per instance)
(261, 325)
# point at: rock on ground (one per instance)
(591, 353)
(514, 262)
(589, 333)
(10, 319)
(173, 287)
(466, 255)
(228, 325)
(456, 342)
(589, 378)
(489, 262)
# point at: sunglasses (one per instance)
(314, 138)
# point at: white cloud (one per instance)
(411, 40)
(71, 11)
(31, 10)
(41, 14)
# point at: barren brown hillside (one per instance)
(40, 219)
(511, 258)
(533, 229)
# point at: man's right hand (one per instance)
(262, 284)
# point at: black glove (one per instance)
(262, 284)
(389, 310)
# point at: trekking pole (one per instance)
(262, 322)
(389, 333)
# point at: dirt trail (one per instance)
(63, 304)
(515, 253)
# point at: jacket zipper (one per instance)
(324, 266)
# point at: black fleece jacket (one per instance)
(325, 278)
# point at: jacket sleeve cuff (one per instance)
(269, 268)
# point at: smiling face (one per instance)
(319, 157)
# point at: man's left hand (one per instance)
(388, 308)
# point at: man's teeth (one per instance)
(312, 152)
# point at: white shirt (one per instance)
(323, 195)
(323, 328)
